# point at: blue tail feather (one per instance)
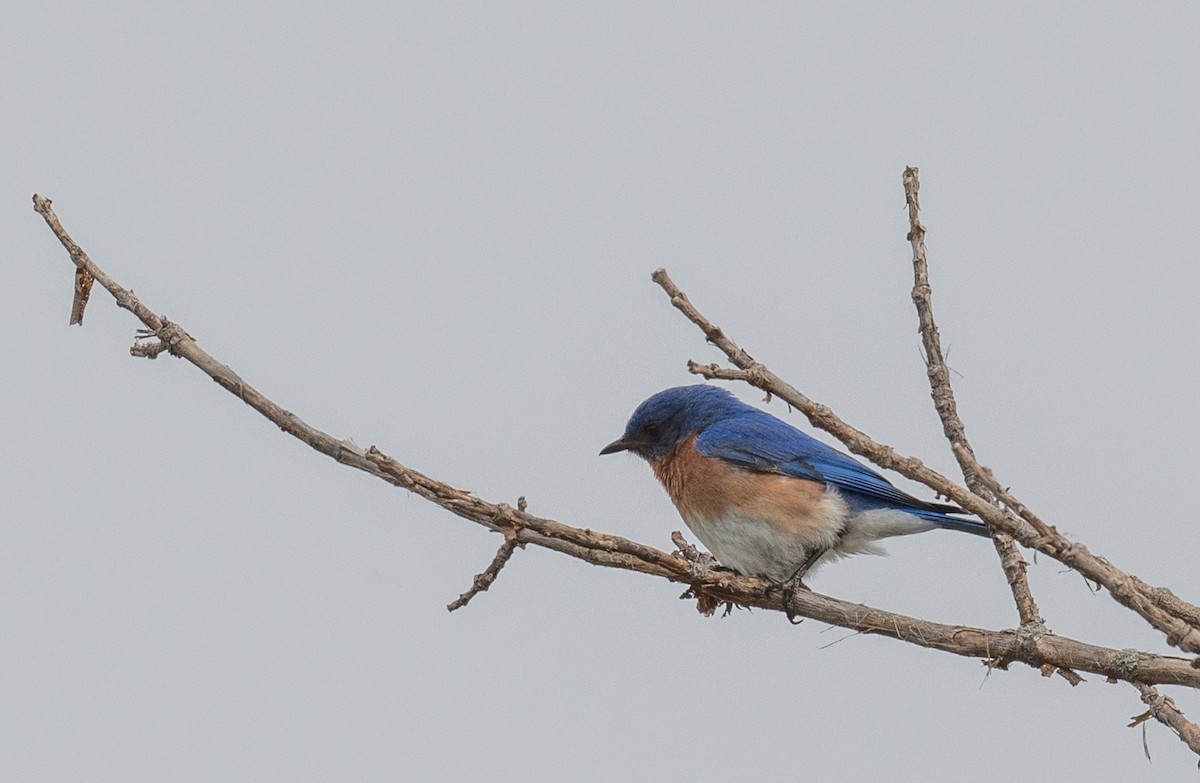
(973, 526)
(937, 513)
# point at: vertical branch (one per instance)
(943, 399)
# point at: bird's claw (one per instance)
(789, 592)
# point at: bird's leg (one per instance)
(789, 592)
(796, 582)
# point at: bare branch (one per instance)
(1174, 617)
(1037, 649)
(943, 400)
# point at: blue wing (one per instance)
(758, 441)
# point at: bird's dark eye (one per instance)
(653, 429)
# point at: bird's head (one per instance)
(668, 418)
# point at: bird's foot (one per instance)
(789, 587)
(796, 582)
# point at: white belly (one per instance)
(761, 547)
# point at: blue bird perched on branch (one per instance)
(763, 497)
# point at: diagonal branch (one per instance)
(1176, 618)
(594, 547)
(943, 399)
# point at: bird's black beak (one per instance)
(623, 443)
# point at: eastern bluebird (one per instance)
(762, 496)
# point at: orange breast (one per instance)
(706, 488)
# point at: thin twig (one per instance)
(1173, 616)
(943, 400)
(483, 580)
(1163, 710)
(1005, 646)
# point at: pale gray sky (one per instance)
(430, 227)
